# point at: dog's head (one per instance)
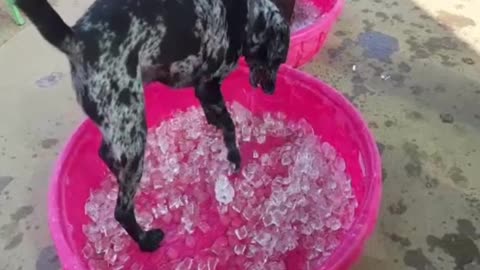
(267, 43)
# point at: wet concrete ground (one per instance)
(413, 69)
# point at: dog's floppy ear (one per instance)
(286, 8)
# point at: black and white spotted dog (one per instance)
(120, 44)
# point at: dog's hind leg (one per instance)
(121, 118)
(213, 105)
(128, 170)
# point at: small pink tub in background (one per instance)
(308, 38)
(79, 169)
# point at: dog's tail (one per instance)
(49, 23)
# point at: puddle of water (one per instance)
(378, 45)
(50, 80)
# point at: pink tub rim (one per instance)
(70, 260)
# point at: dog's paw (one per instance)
(234, 157)
(151, 241)
(268, 92)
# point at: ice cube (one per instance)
(122, 259)
(306, 229)
(223, 209)
(290, 240)
(249, 171)
(278, 197)
(91, 232)
(88, 251)
(102, 245)
(112, 195)
(145, 220)
(294, 187)
(286, 159)
(159, 210)
(333, 223)
(331, 185)
(97, 264)
(216, 146)
(224, 191)
(252, 250)
(277, 217)
(91, 210)
(188, 224)
(283, 180)
(265, 159)
(245, 190)
(110, 256)
(240, 113)
(163, 143)
(241, 232)
(175, 202)
(204, 227)
(249, 212)
(212, 263)
(339, 164)
(238, 205)
(136, 266)
(274, 265)
(190, 241)
(246, 133)
(261, 139)
(239, 249)
(186, 264)
(219, 245)
(172, 253)
(328, 151)
(119, 243)
(317, 223)
(263, 238)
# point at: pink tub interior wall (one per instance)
(79, 168)
(306, 43)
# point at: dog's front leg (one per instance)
(211, 99)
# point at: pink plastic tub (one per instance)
(79, 168)
(306, 43)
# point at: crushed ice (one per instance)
(292, 195)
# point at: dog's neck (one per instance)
(261, 15)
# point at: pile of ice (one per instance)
(292, 200)
(304, 14)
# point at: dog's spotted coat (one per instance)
(117, 46)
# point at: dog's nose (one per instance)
(268, 87)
